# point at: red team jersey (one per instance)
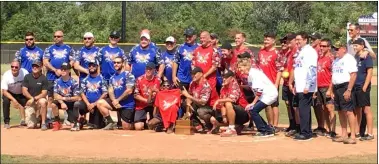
(205, 58)
(143, 86)
(168, 103)
(203, 91)
(234, 92)
(270, 62)
(324, 70)
(288, 64)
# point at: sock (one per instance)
(231, 126)
(48, 115)
(56, 118)
(298, 127)
(109, 119)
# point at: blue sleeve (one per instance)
(368, 62)
(83, 86)
(75, 88)
(177, 56)
(18, 55)
(46, 54)
(311, 77)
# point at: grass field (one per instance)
(370, 158)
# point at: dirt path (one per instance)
(151, 145)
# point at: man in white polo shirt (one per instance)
(11, 88)
(343, 79)
(305, 76)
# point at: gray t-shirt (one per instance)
(13, 84)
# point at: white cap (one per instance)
(146, 35)
(88, 35)
(170, 39)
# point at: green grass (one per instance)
(370, 158)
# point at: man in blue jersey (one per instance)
(152, 44)
(168, 57)
(66, 92)
(142, 54)
(93, 88)
(108, 54)
(214, 42)
(121, 97)
(54, 56)
(87, 53)
(181, 68)
(26, 55)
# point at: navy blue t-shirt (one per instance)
(168, 58)
(27, 55)
(363, 64)
(183, 57)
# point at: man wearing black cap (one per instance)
(362, 88)
(92, 89)
(34, 88)
(200, 98)
(315, 41)
(108, 53)
(230, 107)
(147, 87)
(66, 92)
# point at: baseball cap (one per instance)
(214, 36)
(170, 39)
(189, 31)
(315, 35)
(228, 73)
(196, 70)
(93, 61)
(338, 45)
(37, 62)
(360, 41)
(115, 34)
(291, 36)
(150, 65)
(226, 45)
(244, 55)
(283, 40)
(88, 35)
(65, 66)
(146, 35)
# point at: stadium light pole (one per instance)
(123, 19)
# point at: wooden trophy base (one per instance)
(183, 127)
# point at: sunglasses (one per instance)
(57, 36)
(92, 65)
(29, 39)
(350, 30)
(166, 85)
(16, 67)
(114, 37)
(324, 46)
(117, 62)
(35, 66)
(87, 38)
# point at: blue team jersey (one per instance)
(183, 57)
(121, 82)
(93, 87)
(27, 55)
(167, 59)
(107, 54)
(67, 88)
(138, 58)
(218, 73)
(84, 55)
(58, 54)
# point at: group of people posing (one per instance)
(219, 88)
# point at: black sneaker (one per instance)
(109, 126)
(302, 138)
(331, 135)
(367, 137)
(290, 133)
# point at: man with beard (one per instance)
(168, 57)
(29, 53)
(66, 92)
(121, 98)
(142, 54)
(87, 53)
(92, 89)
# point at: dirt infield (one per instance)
(151, 145)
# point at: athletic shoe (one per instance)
(276, 129)
(367, 137)
(302, 138)
(199, 128)
(339, 139)
(349, 141)
(22, 123)
(215, 130)
(7, 126)
(82, 122)
(76, 127)
(170, 129)
(66, 122)
(223, 128)
(43, 127)
(56, 125)
(109, 126)
(91, 126)
(357, 136)
(291, 133)
(331, 135)
(247, 128)
(264, 134)
(229, 133)
(239, 129)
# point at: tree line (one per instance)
(171, 18)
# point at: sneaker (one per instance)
(7, 126)
(223, 128)
(339, 139)
(239, 129)
(170, 129)
(291, 133)
(76, 127)
(199, 128)
(215, 130)
(367, 137)
(22, 123)
(91, 126)
(229, 133)
(56, 125)
(276, 129)
(331, 135)
(259, 134)
(67, 123)
(43, 127)
(302, 138)
(357, 136)
(247, 128)
(109, 126)
(264, 134)
(349, 141)
(82, 122)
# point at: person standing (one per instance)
(168, 57)
(28, 54)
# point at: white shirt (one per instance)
(259, 82)
(11, 83)
(342, 69)
(306, 58)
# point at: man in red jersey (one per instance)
(147, 87)
(199, 99)
(324, 103)
(230, 107)
(316, 40)
(207, 58)
(271, 63)
(240, 48)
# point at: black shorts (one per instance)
(362, 99)
(141, 115)
(249, 95)
(242, 116)
(50, 88)
(321, 98)
(127, 115)
(339, 101)
(70, 110)
(185, 85)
